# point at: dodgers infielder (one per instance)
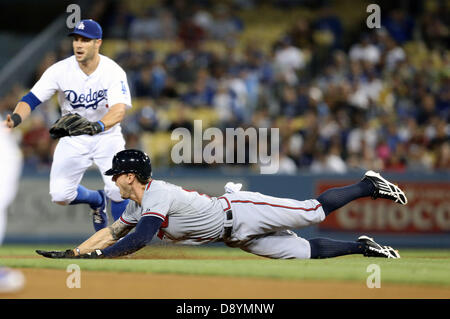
(11, 280)
(95, 87)
(254, 222)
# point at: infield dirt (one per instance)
(51, 284)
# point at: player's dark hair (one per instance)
(142, 180)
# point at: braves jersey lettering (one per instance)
(85, 100)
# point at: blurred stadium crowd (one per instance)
(343, 98)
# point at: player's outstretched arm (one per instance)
(146, 228)
(20, 113)
(104, 238)
(100, 240)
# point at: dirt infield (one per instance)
(51, 284)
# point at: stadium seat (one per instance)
(158, 146)
(207, 115)
(111, 47)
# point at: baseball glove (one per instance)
(96, 254)
(74, 124)
(57, 254)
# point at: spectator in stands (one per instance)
(141, 84)
(426, 109)
(149, 81)
(129, 59)
(348, 89)
(48, 60)
(224, 27)
(399, 25)
(118, 20)
(155, 23)
(202, 16)
(222, 103)
(442, 158)
(37, 145)
(301, 34)
(202, 91)
(288, 60)
(443, 95)
(190, 33)
(393, 54)
(328, 23)
(147, 119)
(435, 28)
(365, 50)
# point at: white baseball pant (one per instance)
(74, 155)
(262, 223)
(11, 164)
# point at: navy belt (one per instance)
(228, 224)
(228, 229)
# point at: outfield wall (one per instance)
(424, 222)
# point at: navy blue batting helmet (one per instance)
(131, 161)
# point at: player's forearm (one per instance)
(23, 109)
(105, 237)
(145, 230)
(20, 113)
(100, 240)
(115, 115)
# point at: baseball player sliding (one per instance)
(93, 94)
(254, 222)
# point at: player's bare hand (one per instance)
(57, 254)
(9, 123)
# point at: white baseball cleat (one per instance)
(11, 280)
(385, 189)
(373, 249)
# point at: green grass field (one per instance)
(429, 267)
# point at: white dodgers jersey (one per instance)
(88, 95)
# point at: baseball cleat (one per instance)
(372, 249)
(385, 189)
(11, 280)
(99, 217)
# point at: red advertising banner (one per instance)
(427, 211)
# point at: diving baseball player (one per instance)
(95, 87)
(254, 222)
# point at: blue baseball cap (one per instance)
(88, 29)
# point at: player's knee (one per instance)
(63, 197)
(113, 193)
(317, 214)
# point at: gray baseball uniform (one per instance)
(260, 224)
